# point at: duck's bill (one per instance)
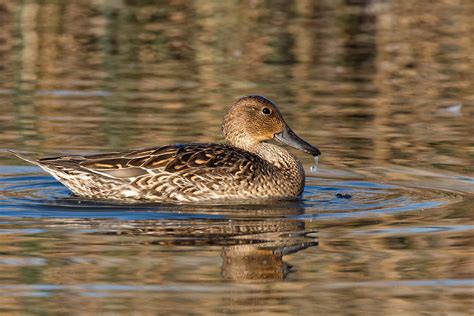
(288, 137)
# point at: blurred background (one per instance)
(368, 81)
(384, 88)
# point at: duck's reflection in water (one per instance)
(254, 239)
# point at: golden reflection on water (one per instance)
(177, 265)
(384, 88)
(359, 80)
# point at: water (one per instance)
(314, 166)
(383, 88)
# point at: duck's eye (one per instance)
(266, 111)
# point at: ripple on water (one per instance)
(25, 193)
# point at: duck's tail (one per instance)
(55, 172)
(24, 157)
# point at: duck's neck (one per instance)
(281, 158)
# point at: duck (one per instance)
(247, 166)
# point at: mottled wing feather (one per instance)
(186, 160)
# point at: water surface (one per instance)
(383, 88)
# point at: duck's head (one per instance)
(254, 119)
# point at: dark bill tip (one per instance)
(288, 137)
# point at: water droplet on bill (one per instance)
(314, 166)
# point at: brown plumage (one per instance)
(247, 167)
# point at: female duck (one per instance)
(246, 167)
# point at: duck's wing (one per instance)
(171, 159)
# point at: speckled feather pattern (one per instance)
(186, 173)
